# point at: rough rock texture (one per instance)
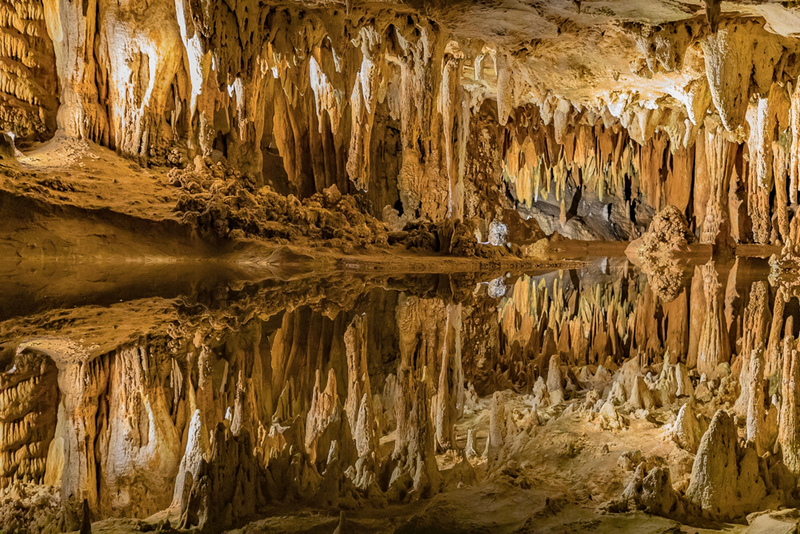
(442, 111)
(340, 392)
(668, 232)
(461, 128)
(689, 428)
(726, 480)
(28, 81)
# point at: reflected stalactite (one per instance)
(28, 400)
(712, 348)
(391, 396)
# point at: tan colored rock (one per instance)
(713, 348)
(689, 428)
(725, 481)
(554, 381)
(641, 396)
(652, 491)
(788, 422)
(610, 419)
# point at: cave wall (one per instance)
(28, 82)
(391, 101)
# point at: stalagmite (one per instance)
(726, 481)
(761, 424)
(652, 491)
(689, 427)
(641, 397)
(497, 427)
(685, 386)
(554, 387)
(757, 316)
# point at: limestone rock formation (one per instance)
(727, 480)
(668, 233)
(228, 487)
(292, 157)
(689, 428)
(29, 95)
(653, 492)
(399, 104)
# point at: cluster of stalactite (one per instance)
(28, 81)
(729, 192)
(381, 100)
(308, 98)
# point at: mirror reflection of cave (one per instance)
(356, 266)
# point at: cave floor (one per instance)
(77, 201)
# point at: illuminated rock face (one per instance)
(28, 82)
(610, 116)
(461, 128)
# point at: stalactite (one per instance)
(363, 101)
(794, 157)
(139, 77)
(731, 55)
(28, 81)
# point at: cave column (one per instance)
(73, 27)
(720, 154)
(81, 384)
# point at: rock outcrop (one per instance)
(727, 480)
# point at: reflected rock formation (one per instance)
(399, 266)
(371, 392)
